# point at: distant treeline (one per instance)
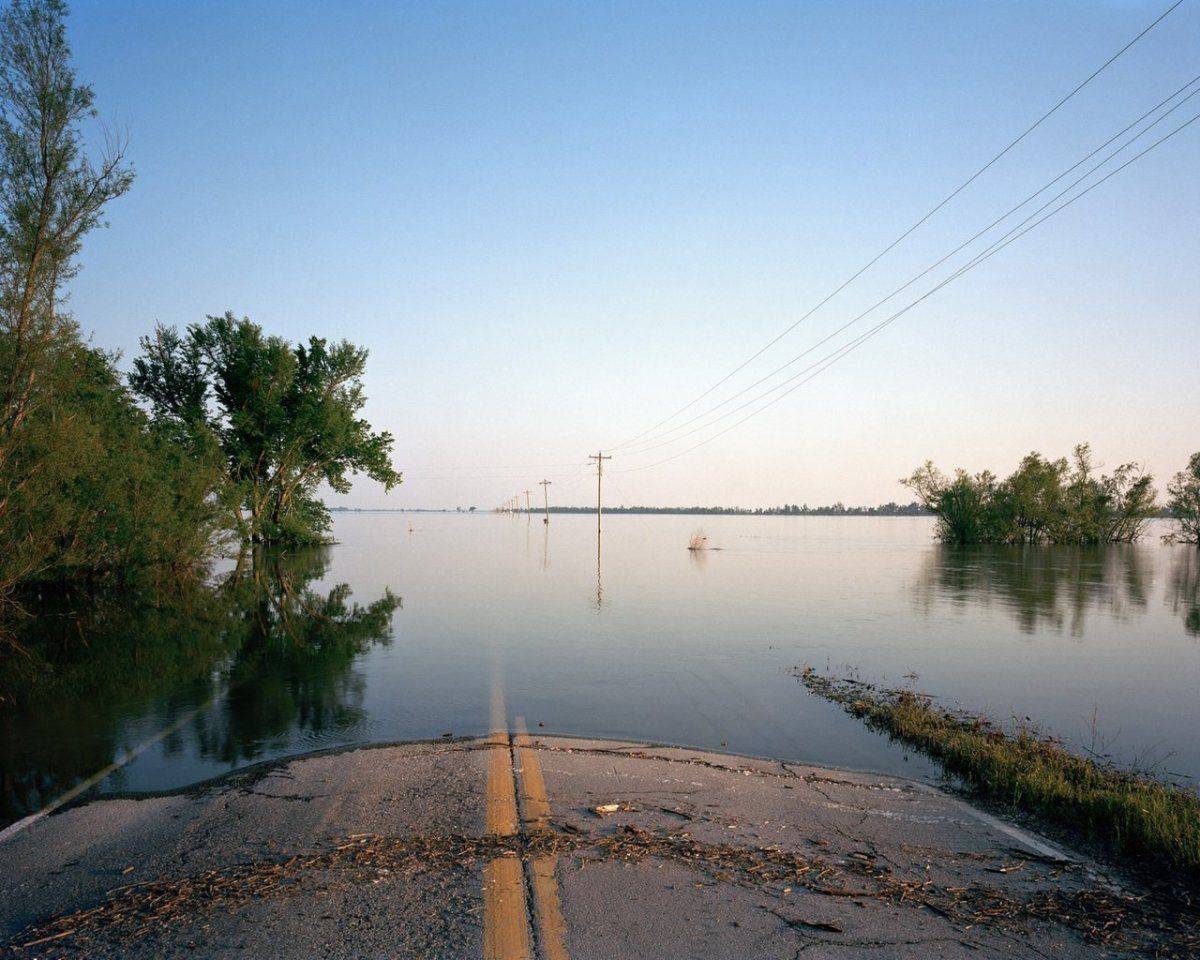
(839, 509)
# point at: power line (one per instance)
(945, 200)
(508, 466)
(841, 352)
(653, 443)
(578, 465)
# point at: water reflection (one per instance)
(291, 671)
(107, 672)
(599, 575)
(1183, 589)
(1041, 587)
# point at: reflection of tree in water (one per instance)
(1041, 586)
(108, 671)
(292, 670)
(1183, 589)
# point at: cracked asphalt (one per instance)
(611, 850)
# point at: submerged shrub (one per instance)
(1042, 501)
(1184, 502)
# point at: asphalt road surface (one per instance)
(548, 847)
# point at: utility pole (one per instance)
(546, 497)
(599, 457)
(527, 510)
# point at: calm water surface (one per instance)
(395, 635)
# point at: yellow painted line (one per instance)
(552, 929)
(506, 932)
(502, 817)
(535, 805)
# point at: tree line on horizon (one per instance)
(221, 432)
(839, 509)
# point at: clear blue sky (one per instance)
(552, 224)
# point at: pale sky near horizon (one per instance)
(553, 224)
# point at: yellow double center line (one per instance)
(506, 929)
(546, 904)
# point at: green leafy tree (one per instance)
(104, 493)
(1183, 501)
(51, 196)
(1042, 501)
(285, 417)
(1030, 500)
(1106, 508)
(966, 507)
(89, 488)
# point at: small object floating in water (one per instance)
(699, 542)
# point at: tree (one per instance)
(1110, 508)
(51, 196)
(103, 492)
(1183, 494)
(1031, 498)
(966, 507)
(285, 417)
(1042, 501)
(89, 488)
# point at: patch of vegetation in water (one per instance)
(1132, 814)
(1042, 501)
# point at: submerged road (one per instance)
(516, 847)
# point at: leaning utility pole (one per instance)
(546, 496)
(599, 457)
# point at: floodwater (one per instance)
(397, 633)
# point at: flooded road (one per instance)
(395, 635)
